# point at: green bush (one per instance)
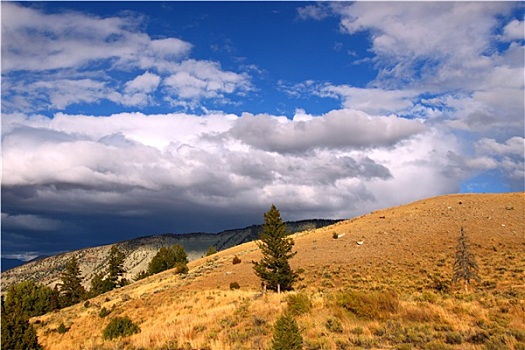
(140, 276)
(334, 325)
(369, 305)
(453, 338)
(211, 250)
(62, 328)
(236, 260)
(234, 285)
(298, 304)
(120, 327)
(103, 312)
(286, 335)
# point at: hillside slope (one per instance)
(407, 250)
(139, 253)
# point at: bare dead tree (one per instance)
(465, 266)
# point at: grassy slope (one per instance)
(407, 249)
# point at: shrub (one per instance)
(62, 328)
(479, 337)
(453, 338)
(236, 260)
(120, 327)
(234, 285)
(140, 276)
(369, 305)
(103, 312)
(211, 250)
(286, 335)
(335, 235)
(298, 304)
(334, 325)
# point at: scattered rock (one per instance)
(360, 242)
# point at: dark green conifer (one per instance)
(17, 332)
(274, 269)
(169, 258)
(33, 299)
(71, 288)
(115, 266)
(286, 335)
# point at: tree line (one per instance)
(28, 299)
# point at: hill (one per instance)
(139, 252)
(382, 284)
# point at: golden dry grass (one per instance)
(407, 249)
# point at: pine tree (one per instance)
(71, 288)
(286, 335)
(274, 269)
(99, 285)
(465, 266)
(17, 332)
(168, 258)
(33, 299)
(115, 266)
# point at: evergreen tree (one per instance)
(141, 275)
(31, 298)
(99, 285)
(274, 269)
(465, 266)
(286, 335)
(211, 250)
(115, 266)
(168, 258)
(17, 332)
(71, 288)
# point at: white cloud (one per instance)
(508, 157)
(32, 40)
(428, 35)
(204, 79)
(372, 101)
(515, 30)
(514, 145)
(146, 82)
(135, 163)
(446, 50)
(337, 129)
(52, 61)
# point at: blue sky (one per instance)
(124, 119)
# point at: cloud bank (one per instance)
(164, 153)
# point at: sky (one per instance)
(126, 119)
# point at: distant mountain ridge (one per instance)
(140, 251)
